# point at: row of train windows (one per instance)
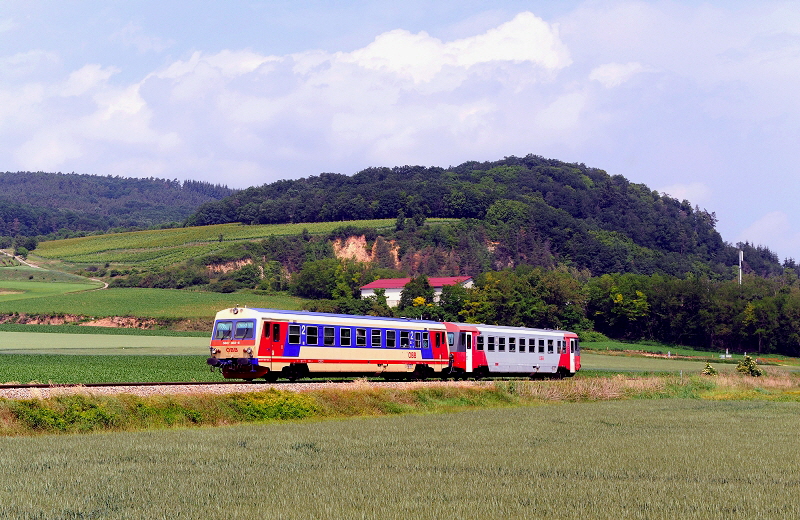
(363, 337)
(500, 344)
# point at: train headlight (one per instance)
(249, 351)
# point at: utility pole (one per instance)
(741, 258)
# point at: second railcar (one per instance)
(485, 350)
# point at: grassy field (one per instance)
(676, 458)
(147, 303)
(126, 368)
(100, 344)
(19, 283)
(157, 248)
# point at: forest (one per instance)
(59, 204)
(539, 212)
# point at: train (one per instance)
(252, 343)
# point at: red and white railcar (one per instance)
(485, 350)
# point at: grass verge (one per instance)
(93, 413)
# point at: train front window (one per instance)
(223, 330)
(244, 329)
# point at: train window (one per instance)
(425, 342)
(501, 344)
(417, 341)
(451, 339)
(522, 344)
(549, 346)
(480, 342)
(266, 331)
(312, 335)
(294, 334)
(244, 330)
(490, 343)
(276, 332)
(223, 330)
(438, 337)
(404, 338)
(345, 337)
(361, 337)
(376, 337)
(329, 336)
(541, 346)
(512, 344)
(391, 338)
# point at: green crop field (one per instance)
(100, 344)
(162, 247)
(130, 366)
(150, 303)
(664, 458)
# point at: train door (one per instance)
(574, 355)
(466, 341)
(271, 343)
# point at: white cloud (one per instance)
(612, 75)
(773, 230)
(132, 36)
(526, 38)
(694, 192)
(87, 78)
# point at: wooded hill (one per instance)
(39, 203)
(536, 211)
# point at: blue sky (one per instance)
(700, 100)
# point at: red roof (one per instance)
(399, 283)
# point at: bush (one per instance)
(748, 366)
(709, 370)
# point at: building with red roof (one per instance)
(393, 287)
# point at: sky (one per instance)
(699, 100)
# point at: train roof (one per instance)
(330, 315)
(528, 330)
